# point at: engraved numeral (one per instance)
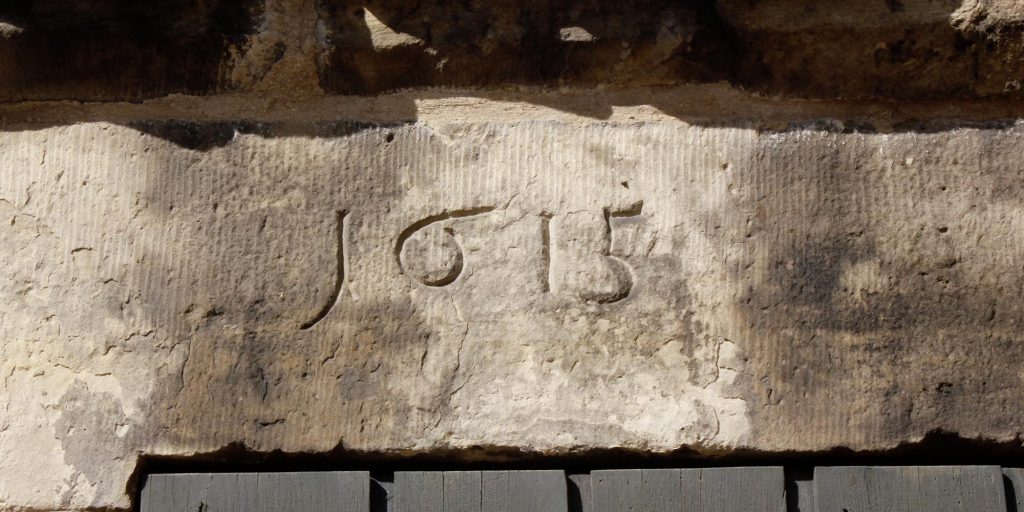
(625, 270)
(545, 234)
(429, 252)
(339, 283)
(586, 265)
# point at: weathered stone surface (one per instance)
(172, 288)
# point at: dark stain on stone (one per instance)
(260, 375)
(860, 344)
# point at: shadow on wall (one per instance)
(111, 50)
(824, 49)
(385, 45)
(828, 49)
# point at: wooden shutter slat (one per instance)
(908, 488)
(248, 492)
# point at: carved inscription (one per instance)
(545, 235)
(587, 266)
(622, 270)
(339, 281)
(429, 252)
(581, 262)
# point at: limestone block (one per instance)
(470, 287)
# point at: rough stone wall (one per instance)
(502, 229)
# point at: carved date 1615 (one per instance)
(431, 255)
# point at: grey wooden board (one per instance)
(753, 489)
(653, 490)
(909, 488)
(494, 493)
(462, 491)
(689, 490)
(346, 491)
(524, 491)
(664, 489)
(418, 491)
(1014, 479)
(615, 490)
(480, 491)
